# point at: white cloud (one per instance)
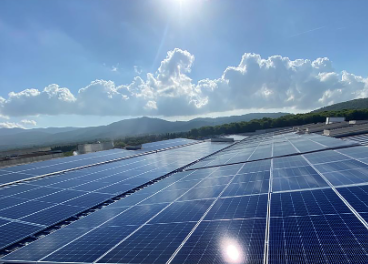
(137, 70)
(151, 105)
(10, 125)
(29, 122)
(256, 82)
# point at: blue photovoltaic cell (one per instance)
(305, 146)
(211, 242)
(239, 207)
(200, 193)
(52, 215)
(9, 202)
(293, 172)
(24, 209)
(289, 162)
(3, 222)
(183, 212)
(61, 196)
(70, 183)
(117, 188)
(318, 239)
(285, 148)
(247, 188)
(12, 232)
(253, 176)
(315, 226)
(303, 203)
(164, 196)
(355, 152)
(325, 156)
(130, 200)
(346, 177)
(36, 193)
(255, 166)
(296, 178)
(89, 186)
(89, 247)
(47, 244)
(94, 243)
(14, 189)
(151, 244)
(213, 181)
(340, 166)
(13, 177)
(357, 198)
(88, 200)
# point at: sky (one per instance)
(88, 62)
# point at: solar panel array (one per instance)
(37, 204)
(21, 172)
(362, 139)
(267, 199)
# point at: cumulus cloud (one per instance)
(256, 82)
(10, 125)
(29, 122)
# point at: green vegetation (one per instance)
(351, 105)
(284, 121)
(66, 148)
(68, 153)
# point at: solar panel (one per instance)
(315, 226)
(298, 208)
(62, 164)
(15, 231)
(234, 241)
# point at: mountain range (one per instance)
(13, 138)
(361, 103)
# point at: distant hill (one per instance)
(352, 105)
(21, 138)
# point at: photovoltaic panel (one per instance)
(239, 207)
(94, 243)
(247, 188)
(252, 176)
(318, 239)
(67, 163)
(220, 241)
(189, 223)
(46, 205)
(201, 193)
(61, 196)
(296, 178)
(15, 231)
(315, 227)
(86, 249)
(24, 209)
(289, 162)
(183, 212)
(52, 215)
(325, 157)
(151, 244)
(357, 198)
(10, 202)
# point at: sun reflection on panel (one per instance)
(232, 251)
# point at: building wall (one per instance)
(13, 162)
(87, 148)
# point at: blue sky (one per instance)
(73, 43)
